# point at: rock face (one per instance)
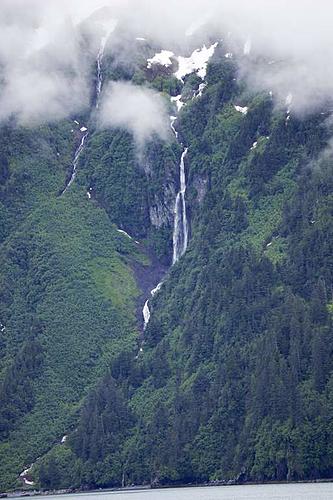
(161, 210)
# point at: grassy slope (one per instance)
(76, 282)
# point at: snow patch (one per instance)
(196, 62)
(241, 109)
(140, 39)
(228, 55)
(124, 232)
(163, 58)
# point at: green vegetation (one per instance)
(68, 299)
(235, 379)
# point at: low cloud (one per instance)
(48, 47)
(46, 54)
(139, 110)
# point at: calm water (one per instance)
(261, 492)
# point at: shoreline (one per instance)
(69, 491)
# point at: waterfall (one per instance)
(180, 229)
(172, 121)
(100, 56)
(75, 161)
(146, 310)
(146, 314)
(99, 84)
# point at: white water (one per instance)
(76, 160)
(146, 310)
(100, 56)
(99, 84)
(180, 229)
(178, 101)
(25, 476)
(172, 121)
(156, 289)
(146, 315)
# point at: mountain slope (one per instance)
(234, 379)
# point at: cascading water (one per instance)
(100, 56)
(99, 84)
(180, 229)
(75, 161)
(146, 310)
(172, 121)
(146, 315)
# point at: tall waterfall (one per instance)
(100, 56)
(99, 84)
(180, 228)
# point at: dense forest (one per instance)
(233, 377)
